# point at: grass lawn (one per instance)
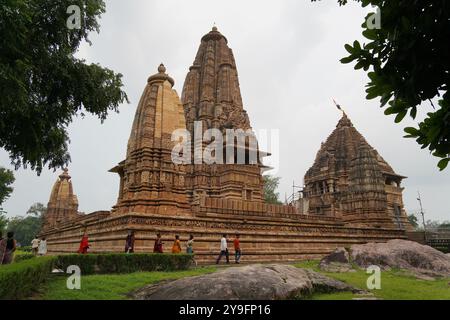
(110, 286)
(394, 285)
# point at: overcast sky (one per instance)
(287, 54)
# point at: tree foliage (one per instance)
(270, 186)
(3, 222)
(6, 180)
(413, 220)
(435, 225)
(408, 64)
(42, 85)
(27, 227)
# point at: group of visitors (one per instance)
(224, 249)
(158, 246)
(39, 246)
(8, 247)
(176, 247)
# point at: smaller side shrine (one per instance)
(350, 180)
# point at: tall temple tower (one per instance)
(149, 181)
(211, 97)
(350, 180)
(63, 203)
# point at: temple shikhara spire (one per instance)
(63, 203)
(211, 92)
(211, 96)
(349, 179)
(351, 194)
(149, 181)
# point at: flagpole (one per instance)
(338, 105)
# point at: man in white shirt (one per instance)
(223, 249)
(35, 245)
(42, 250)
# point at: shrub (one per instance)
(124, 263)
(21, 256)
(19, 280)
(25, 248)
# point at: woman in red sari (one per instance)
(84, 245)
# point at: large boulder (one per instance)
(402, 254)
(253, 282)
(337, 261)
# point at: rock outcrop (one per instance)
(337, 261)
(402, 254)
(421, 260)
(253, 282)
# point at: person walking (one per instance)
(158, 247)
(237, 249)
(8, 247)
(35, 245)
(190, 245)
(42, 250)
(223, 249)
(84, 244)
(129, 244)
(176, 248)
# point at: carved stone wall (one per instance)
(276, 239)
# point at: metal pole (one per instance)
(293, 190)
(423, 217)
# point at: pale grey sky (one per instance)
(287, 53)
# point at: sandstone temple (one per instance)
(351, 194)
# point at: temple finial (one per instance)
(65, 174)
(161, 76)
(214, 28)
(162, 68)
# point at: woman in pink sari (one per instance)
(7, 248)
(2, 247)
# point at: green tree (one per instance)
(413, 220)
(3, 222)
(408, 64)
(27, 227)
(445, 225)
(42, 85)
(37, 210)
(6, 180)
(270, 186)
